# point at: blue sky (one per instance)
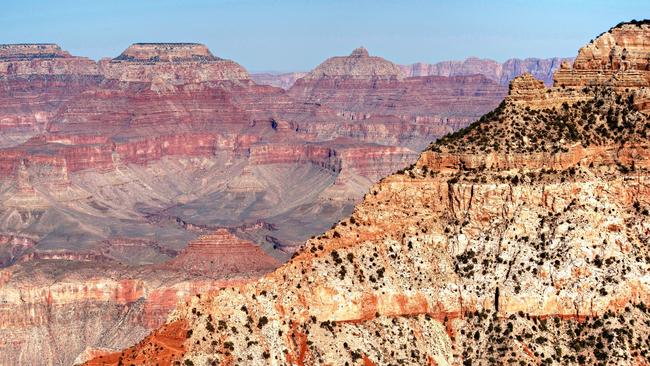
(299, 34)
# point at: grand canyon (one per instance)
(164, 206)
(131, 183)
(520, 239)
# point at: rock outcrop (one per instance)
(618, 58)
(42, 59)
(521, 239)
(167, 64)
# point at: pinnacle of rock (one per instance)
(360, 52)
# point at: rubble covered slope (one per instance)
(519, 240)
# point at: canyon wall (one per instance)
(129, 184)
(519, 239)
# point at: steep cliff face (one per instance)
(617, 58)
(520, 239)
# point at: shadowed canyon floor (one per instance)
(522, 239)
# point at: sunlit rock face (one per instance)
(618, 57)
(168, 64)
(520, 239)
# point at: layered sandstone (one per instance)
(618, 58)
(35, 80)
(359, 64)
(167, 64)
(110, 176)
(113, 178)
(56, 308)
(521, 239)
(42, 59)
(374, 96)
(223, 255)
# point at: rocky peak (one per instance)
(166, 52)
(624, 47)
(525, 82)
(619, 57)
(359, 64)
(360, 52)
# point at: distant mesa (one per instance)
(168, 64)
(42, 59)
(167, 52)
(29, 51)
(501, 73)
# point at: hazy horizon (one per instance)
(263, 36)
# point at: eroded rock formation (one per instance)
(373, 94)
(520, 239)
(166, 64)
(108, 170)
